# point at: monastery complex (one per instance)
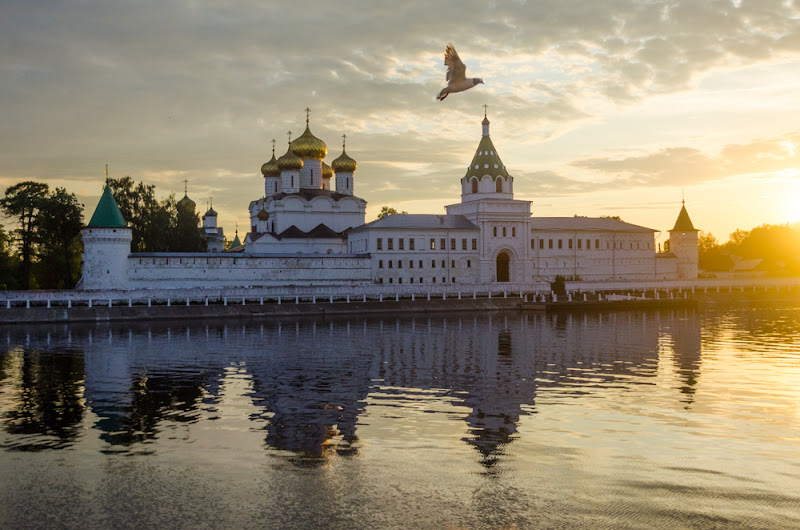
(308, 229)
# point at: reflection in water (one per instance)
(43, 398)
(533, 389)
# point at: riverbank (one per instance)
(109, 306)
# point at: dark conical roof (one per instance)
(107, 214)
(683, 223)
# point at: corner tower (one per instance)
(683, 243)
(106, 246)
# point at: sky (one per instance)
(608, 107)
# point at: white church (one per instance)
(308, 229)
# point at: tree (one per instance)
(22, 201)
(711, 256)
(616, 217)
(385, 210)
(187, 236)
(59, 222)
(8, 262)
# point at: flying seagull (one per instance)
(456, 79)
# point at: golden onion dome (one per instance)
(344, 163)
(327, 171)
(262, 215)
(309, 146)
(290, 161)
(271, 169)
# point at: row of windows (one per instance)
(399, 263)
(498, 185)
(580, 244)
(505, 233)
(401, 243)
(421, 280)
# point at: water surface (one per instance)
(660, 419)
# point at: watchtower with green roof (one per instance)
(683, 243)
(106, 246)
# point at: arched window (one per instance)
(474, 185)
(499, 185)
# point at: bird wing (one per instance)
(456, 71)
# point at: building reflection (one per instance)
(312, 379)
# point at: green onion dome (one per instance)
(344, 163)
(309, 146)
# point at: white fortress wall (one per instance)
(173, 271)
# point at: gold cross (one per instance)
(485, 108)
(273, 147)
(344, 140)
(185, 186)
(308, 112)
(290, 136)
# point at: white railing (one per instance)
(533, 292)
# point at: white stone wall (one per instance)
(344, 183)
(611, 255)
(306, 215)
(174, 271)
(267, 244)
(105, 258)
(290, 181)
(311, 174)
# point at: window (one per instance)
(399, 264)
(401, 244)
(464, 244)
(499, 186)
(253, 228)
(380, 264)
(474, 244)
(474, 185)
(580, 243)
(444, 264)
(452, 264)
(588, 244)
(390, 280)
(494, 231)
(433, 264)
(469, 264)
(442, 244)
(390, 264)
(452, 244)
(412, 280)
(411, 264)
(541, 243)
(379, 243)
(453, 279)
(390, 244)
(434, 279)
(504, 231)
(411, 244)
(400, 280)
(560, 244)
(444, 279)
(533, 244)
(420, 280)
(420, 266)
(570, 243)
(550, 243)
(513, 231)
(433, 244)
(380, 280)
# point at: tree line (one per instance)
(777, 246)
(44, 251)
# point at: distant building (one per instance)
(309, 229)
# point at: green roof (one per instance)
(236, 242)
(683, 223)
(107, 214)
(486, 161)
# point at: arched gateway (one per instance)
(503, 274)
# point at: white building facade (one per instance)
(309, 229)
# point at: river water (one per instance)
(649, 419)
